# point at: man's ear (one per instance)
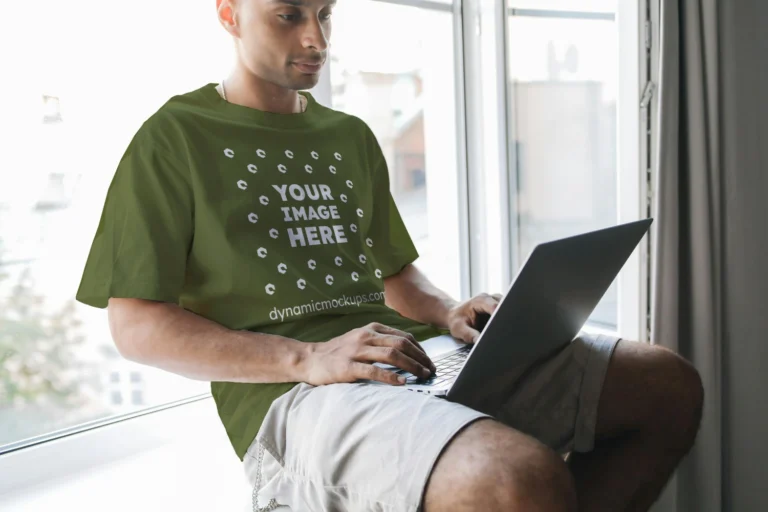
(226, 13)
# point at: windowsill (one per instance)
(173, 459)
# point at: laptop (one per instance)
(544, 309)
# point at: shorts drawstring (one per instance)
(272, 503)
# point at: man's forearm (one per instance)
(412, 295)
(171, 338)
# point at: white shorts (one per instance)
(363, 447)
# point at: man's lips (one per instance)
(309, 67)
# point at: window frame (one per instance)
(632, 190)
(492, 194)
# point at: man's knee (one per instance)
(691, 395)
(683, 391)
(489, 466)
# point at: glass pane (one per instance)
(69, 105)
(402, 87)
(563, 84)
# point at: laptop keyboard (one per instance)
(447, 369)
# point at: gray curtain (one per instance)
(711, 259)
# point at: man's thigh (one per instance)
(490, 466)
(346, 447)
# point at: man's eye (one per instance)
(292, 17)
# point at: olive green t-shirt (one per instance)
(275, 223)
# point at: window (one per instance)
(52, 110)
(418, 178)
(403, 87)
(66, 122)
(137, 397)
(564, 88)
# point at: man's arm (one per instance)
(171, 338)
(412, 295)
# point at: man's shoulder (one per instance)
(170, 124)
(170, 116)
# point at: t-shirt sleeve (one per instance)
(143, 238)
(392, 247)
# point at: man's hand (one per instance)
(462, 318)
(347, 358)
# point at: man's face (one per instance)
(280, 40)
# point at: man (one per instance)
(249, 239)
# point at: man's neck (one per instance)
(251, 91)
